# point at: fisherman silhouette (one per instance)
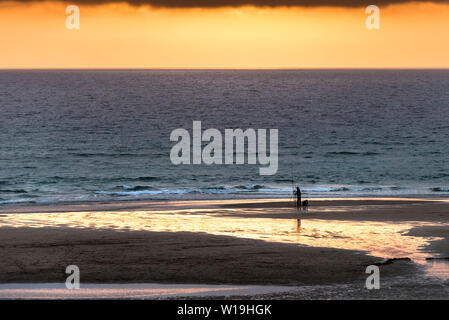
(298, 197)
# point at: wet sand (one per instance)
(227, 242)
(439, 246)
(364, 209)
(136, 291)
(358, 209)
(42, 254)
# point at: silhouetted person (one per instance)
(298, 197)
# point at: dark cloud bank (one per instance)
(239, 3)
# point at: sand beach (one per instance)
(235, 242)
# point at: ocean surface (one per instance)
(105, 135)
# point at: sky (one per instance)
(224, 34)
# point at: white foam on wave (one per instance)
(142, 192)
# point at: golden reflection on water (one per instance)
(381, 239)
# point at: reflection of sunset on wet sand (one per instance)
(382, 239)
(257, 242)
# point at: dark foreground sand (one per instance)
(440, 246)
(110, 256)
(41, 255)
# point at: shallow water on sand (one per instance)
(130, 291)
(380, 239)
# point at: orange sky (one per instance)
(120, 36)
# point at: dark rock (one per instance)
(390, 261)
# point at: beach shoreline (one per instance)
(124, 244)
(153, 204)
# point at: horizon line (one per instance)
(225, 68)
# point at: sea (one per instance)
(104, 135)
